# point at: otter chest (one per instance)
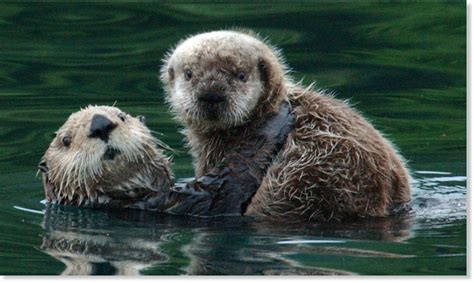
(212, 148)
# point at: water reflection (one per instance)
(85, 245)
(439, 197)
(125, 242)
(130, 242)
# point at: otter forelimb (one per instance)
(227, 188)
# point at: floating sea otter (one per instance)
(334, 164)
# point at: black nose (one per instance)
(210, 97)
(101, 127)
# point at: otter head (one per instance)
(100, 155)
(221, 79)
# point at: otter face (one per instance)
(102, 154)
(217, 79)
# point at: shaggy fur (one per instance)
(79, 173)
(334, 165)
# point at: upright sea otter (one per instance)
(334, 164)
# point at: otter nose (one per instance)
(101, 127)
(210, 97)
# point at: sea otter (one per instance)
(102, 157)
(334, 163)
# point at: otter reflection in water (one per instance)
(87, 243)
(130, 242)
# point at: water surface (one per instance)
(402, 65)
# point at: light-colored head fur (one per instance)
(244, 71)
(84, 170)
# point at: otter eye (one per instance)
(122, 116)
(241, 76)
(66, 141)
(188, 74)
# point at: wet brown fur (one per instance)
(334, 164)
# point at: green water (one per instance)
(402, 65)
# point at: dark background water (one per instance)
(401, 64)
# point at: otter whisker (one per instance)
(156, 132)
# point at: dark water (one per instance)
(402, 65)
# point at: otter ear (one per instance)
(262, 67)
(272, 76)
(142, 119)
(166, 74)
(167, 71)
(170, 74)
